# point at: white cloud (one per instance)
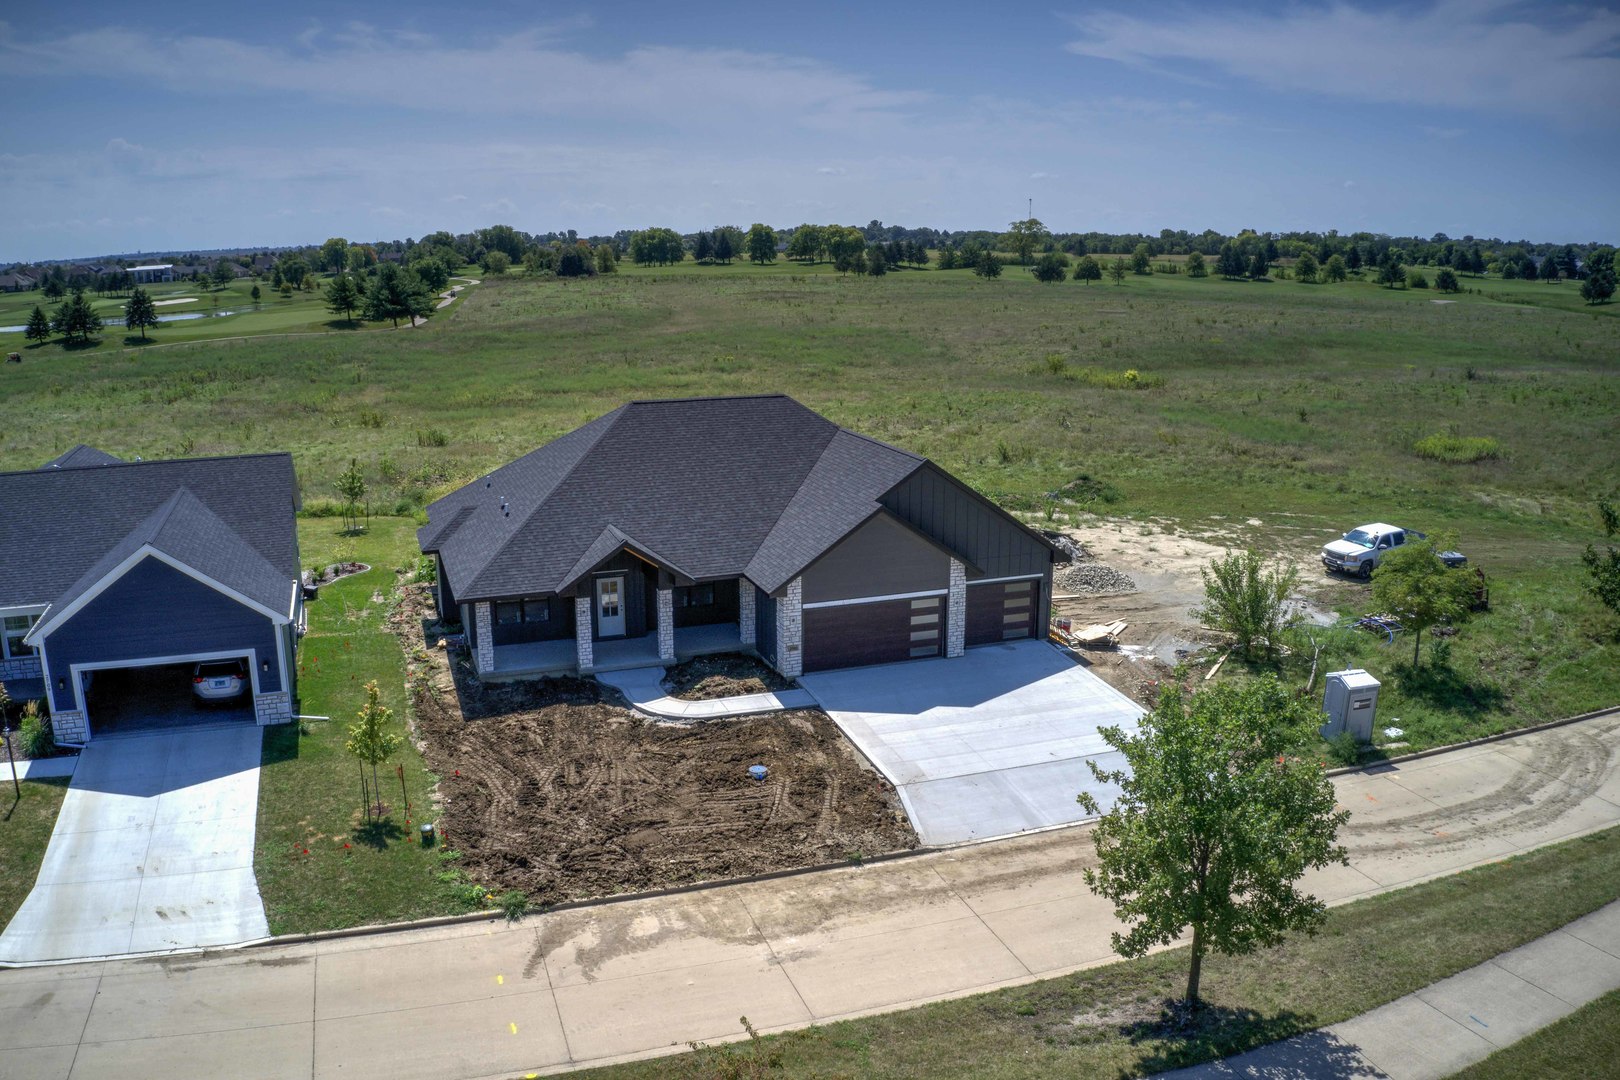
(1042, 176)
(1464, 54)
(830, 170)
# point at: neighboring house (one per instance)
(16, 282)
(114, 564)
(666, 529)
(152, 273)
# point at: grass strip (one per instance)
(1112, 1021)
(25, 832)
(1584, 1043)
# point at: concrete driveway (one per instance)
(153, 850)
(989, 744)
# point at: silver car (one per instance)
(219, 680)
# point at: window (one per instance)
(17, 627)
(508, 612)
(528, 610)
(536, 610)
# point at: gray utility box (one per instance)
(1351, 701)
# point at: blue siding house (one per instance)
(118, 565)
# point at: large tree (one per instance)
(656, 247)
(1141, 260)
(1412, 584)
(1598, 285)
(39, 325)
(343, 297)
(1334, 269)
(1548, 271)
(224, 273)
(1023, 237)
(1216, 822)
(140, 312)
(334, 255)
(1305, 268)
(1195, 265)
(396, 294)
(761, 243)
(76, 319)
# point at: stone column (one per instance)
(956, 611)
(69, 727)
(666, 625)
(746, 617)
(586, 656)
(790, 630)
(484, 631)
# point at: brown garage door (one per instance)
(882, 632)
(1002, 611)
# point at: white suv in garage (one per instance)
(219, 680)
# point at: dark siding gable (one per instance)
(962, 522)
(881, 558)
(155, 610)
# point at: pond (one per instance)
(114, 323)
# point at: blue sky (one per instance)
(155, 126)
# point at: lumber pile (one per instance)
(1094, 636)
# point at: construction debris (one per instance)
(1098, 634)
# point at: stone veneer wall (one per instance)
(956, 611)
(272, 708)
(69, 727)
(746, 615)
(790, 630)
(586, 653)
(484, 624)
(666, 624)
(21, 667)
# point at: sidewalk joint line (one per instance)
(780, 966)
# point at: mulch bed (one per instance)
(723, 675)
(550, 787)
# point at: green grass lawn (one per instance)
(319, 865)
(1584, 1044)
(25, 831)
(1104, 1022)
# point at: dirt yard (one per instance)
(1148, 575)
(549, 788)
(726, 675)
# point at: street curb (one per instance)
(1481, 741)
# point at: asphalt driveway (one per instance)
(152, 851)
(989, 744)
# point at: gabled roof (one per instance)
(709, 487)
(82, 457)
(57, 524)
(192, 535)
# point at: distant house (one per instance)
(140, 564)
(152, 273)
(667, 529)
(15, 282)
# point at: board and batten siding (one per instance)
(155, 610)
(941, 507)
(880, 558)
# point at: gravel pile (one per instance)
(1092, 577)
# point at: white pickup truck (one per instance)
(1359, 550)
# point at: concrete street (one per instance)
(152, 850)
(612, 981)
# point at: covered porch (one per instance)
(538, 658)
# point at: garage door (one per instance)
(1002, 611)
(882, 632)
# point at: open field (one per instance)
(1108, 1021)
(1297, 407)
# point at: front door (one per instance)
(610, 607)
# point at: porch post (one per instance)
(584, 653)
(483, 622)
(956, 611)
(790, 630)
(745, 613)
(666, 625)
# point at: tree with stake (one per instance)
(1413, 584)
(372, 742)
(140, 312)
(1215, 823)
(352, 486)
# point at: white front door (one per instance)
(610, 607)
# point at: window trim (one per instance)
(7, 635)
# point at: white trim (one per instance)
(281, 661)
(297, 595)
(876, 599)
(74, 671)
(23, 609)
(998, 580)
(6, 635)
(45, 627)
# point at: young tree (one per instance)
(724, 249)
(1412, 583)
(1215, 823)
(1248, 601)
(255, 294)
(1195, 265)
(1117, 271)
(1305, 268)
(1598, 285)
(761, 243)
(372, 742)
(877, 263)
(1604, 566)
(703, 248)
(351, 485)
(1259, 267)
(1390, 272)
(343, 297)
(1446, 280)
(1087, 269)
(988, 265)
(140, 312)
(39, 325)
(1141, 261)
(1549, 269)
(1334, 269)
(1052, 267)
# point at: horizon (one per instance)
(176, 134)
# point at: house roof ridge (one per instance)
(150, 461)
(713, 397)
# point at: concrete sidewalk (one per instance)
(606, 982)
(1446, 1027)
(644, 688)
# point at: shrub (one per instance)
(1416, 280)
(1247, 601)
(1131, 379)
(432, 437)
(1457, 449)
(35, 735)
(514, 904)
